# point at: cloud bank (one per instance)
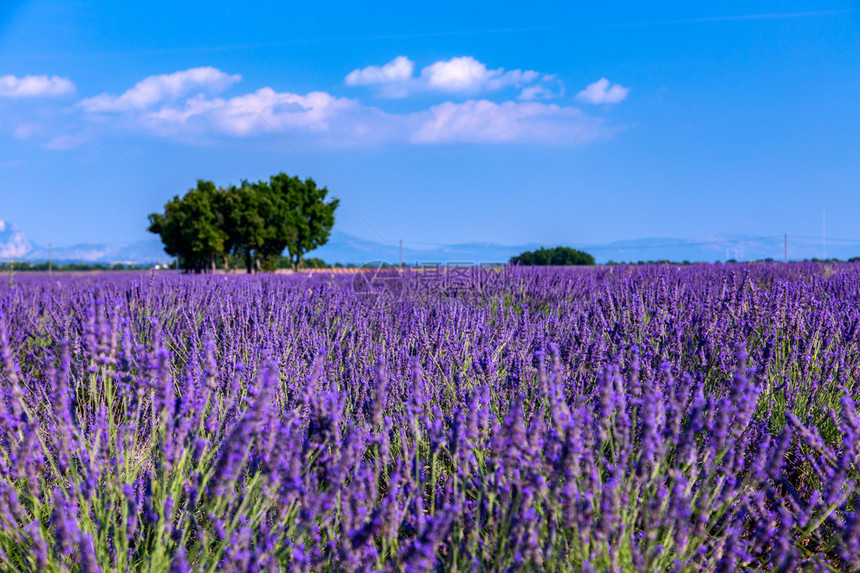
(195, 106)
(399, 70)
(602, 92)
(13, 243)
(459, 75)
(35, 86)
(488, 122)
(161, 88)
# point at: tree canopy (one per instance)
(303, 219)
(559, 256)
(256, 222)
(193, 227)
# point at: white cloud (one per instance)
(467, 75)
(601, 92)
(484, 121)
(161, 88)
(398, 70)
(238, 116)
(35, 86)
(26, 130)
(183, 107)
(13, 243)
(460, 75)
(66, 141)
(532, 93)
(344, 121)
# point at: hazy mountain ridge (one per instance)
(349, 249)
(345, 248)
(147, 251)
(15, 246)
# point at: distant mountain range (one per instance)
(349, 249)
(15, 246)
(344, 248)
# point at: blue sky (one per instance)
(430, 120)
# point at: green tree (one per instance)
(249, 212)
(255, 222)
(559, 256)
(301, 221)
(193, 227)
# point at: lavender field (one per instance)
(605, 419)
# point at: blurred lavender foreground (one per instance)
(624, 419)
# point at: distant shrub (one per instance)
(314, 263)
(559, 256)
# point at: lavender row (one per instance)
(587, 419)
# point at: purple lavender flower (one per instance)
(608, 418)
